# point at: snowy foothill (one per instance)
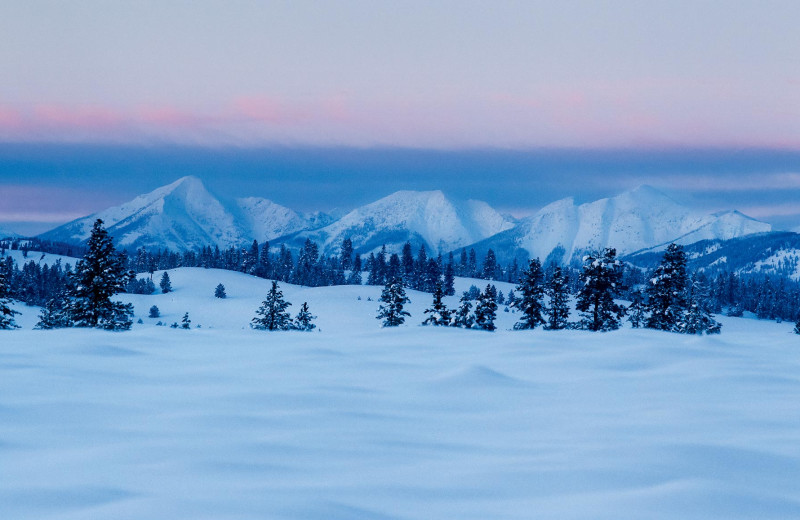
(355, 421)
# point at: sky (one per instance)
(101, 101)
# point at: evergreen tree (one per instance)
(97, 277)
(698, 318)
(636, 310)
(797, 326)
(472, 264)
(439, 313)
(407, 262)
(393, 298)
(463, 317)
(272, 314)
(154, 312)
(420, 269)
(666, 292)
(303, 319)
(56, 314)
(372, 267)
(489, 265)
(347, 254)
(355, 274)
(486, 310)
(165, 284)
(511, 298)
(449, 280)
(219, 292)
(601, 277)
(432, 276)
(6, 312)
(531, 294)
(557, 290)
(186, 323)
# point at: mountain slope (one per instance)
(632, 221)
(184, 215)
(420, 217)
(775, 253)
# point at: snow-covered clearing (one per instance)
(359, 422)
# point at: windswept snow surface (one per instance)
(359, 422)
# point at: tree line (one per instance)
(48, 286)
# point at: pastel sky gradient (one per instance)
(437, 74)
(515, 102)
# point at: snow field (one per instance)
(359, 422)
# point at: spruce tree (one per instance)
(530, 295)
(154, 312)
(393, 298)
(6, 312)
(439, 313)
(463, 316)
(303, 319)
(486, 309)
(97, 277)
(666, 292)
(407, 262)
(272, 314)
(186, 323)
(698, 318)
(602, 280)
(636, 310)
(347, 254)
(797, 326)
(355, 274)
(449, 279)
(557, 290)
(219, 292)
(165, 284)
(56, 314)
(489, 265)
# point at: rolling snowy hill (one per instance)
(359, 422)
(184, 215)
(420, 217)
(635, 220)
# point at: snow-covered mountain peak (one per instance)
(421, 217)
(631, 221)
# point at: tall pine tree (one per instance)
(557, 291)
(393, 298)
(529, 299)
(463, 316)
(602, 282)
(97, 277)
(6, 312)
(666, 292)
(486, 309)
(439, 313)
(272, 314)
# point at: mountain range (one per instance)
(185, 215)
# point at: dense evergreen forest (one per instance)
(33, 282)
